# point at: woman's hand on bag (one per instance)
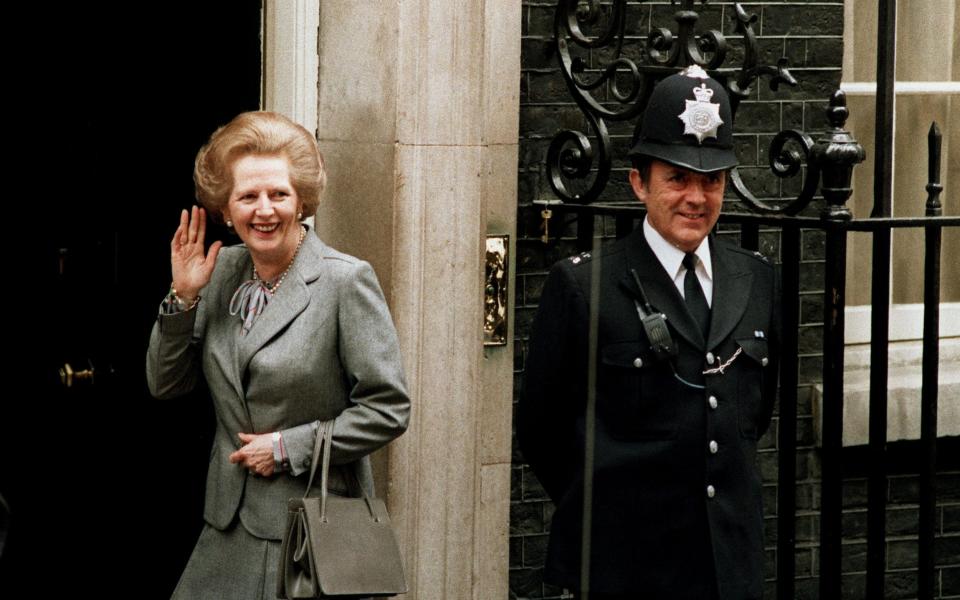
(191, 266)
(256, 454)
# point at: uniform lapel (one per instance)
(659, 288)
(292, 298)
(731, 291)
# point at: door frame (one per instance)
(290, 69)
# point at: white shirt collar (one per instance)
(671, 257)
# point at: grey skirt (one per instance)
(230, 565)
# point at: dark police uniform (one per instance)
(677, 508)
(676, 501)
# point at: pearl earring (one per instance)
(299, 215)
(229, 224)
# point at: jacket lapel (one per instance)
(228, 344)
(292, 298)
(222, 350)
(731, 292)
(659, 288)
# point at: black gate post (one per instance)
(931, 356)
(787, 429)
(835, 154)
(832, 413)
(877, 438)
(880, 298)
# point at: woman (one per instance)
(287, 332)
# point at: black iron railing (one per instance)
(836, 231)
(579, 169)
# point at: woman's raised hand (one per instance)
(190, 265)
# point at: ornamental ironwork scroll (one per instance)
(578, 165)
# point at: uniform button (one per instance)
(638, 362)
(711, 491)
(712, 400)
(714, 447)
(765, 361)
(307, 461)
(710, 358)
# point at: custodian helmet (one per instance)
(688, 123)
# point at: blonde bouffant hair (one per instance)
(258, 133)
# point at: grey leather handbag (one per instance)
(338, 547)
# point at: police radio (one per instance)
(661, 342)
(654, 325)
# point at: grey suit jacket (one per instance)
(324, 347)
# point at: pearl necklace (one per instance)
(273, 286)
(252, 296)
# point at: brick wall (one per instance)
(810, 35)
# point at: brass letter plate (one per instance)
(495, 309)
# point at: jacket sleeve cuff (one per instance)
(180, 322)
(298, 443)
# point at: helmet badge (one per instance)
(701, 117)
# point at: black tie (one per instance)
(693, 294)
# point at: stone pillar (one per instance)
(418, 106)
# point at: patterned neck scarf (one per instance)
(249, 301)
(253, 295)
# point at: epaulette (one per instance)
(751, 253)
(579, 258)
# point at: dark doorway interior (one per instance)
(104, 484)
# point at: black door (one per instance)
(104, 484)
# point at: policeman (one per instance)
(686, 372)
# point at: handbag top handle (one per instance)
(324, 445)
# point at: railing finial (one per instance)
(835, 154)
(934, 187)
